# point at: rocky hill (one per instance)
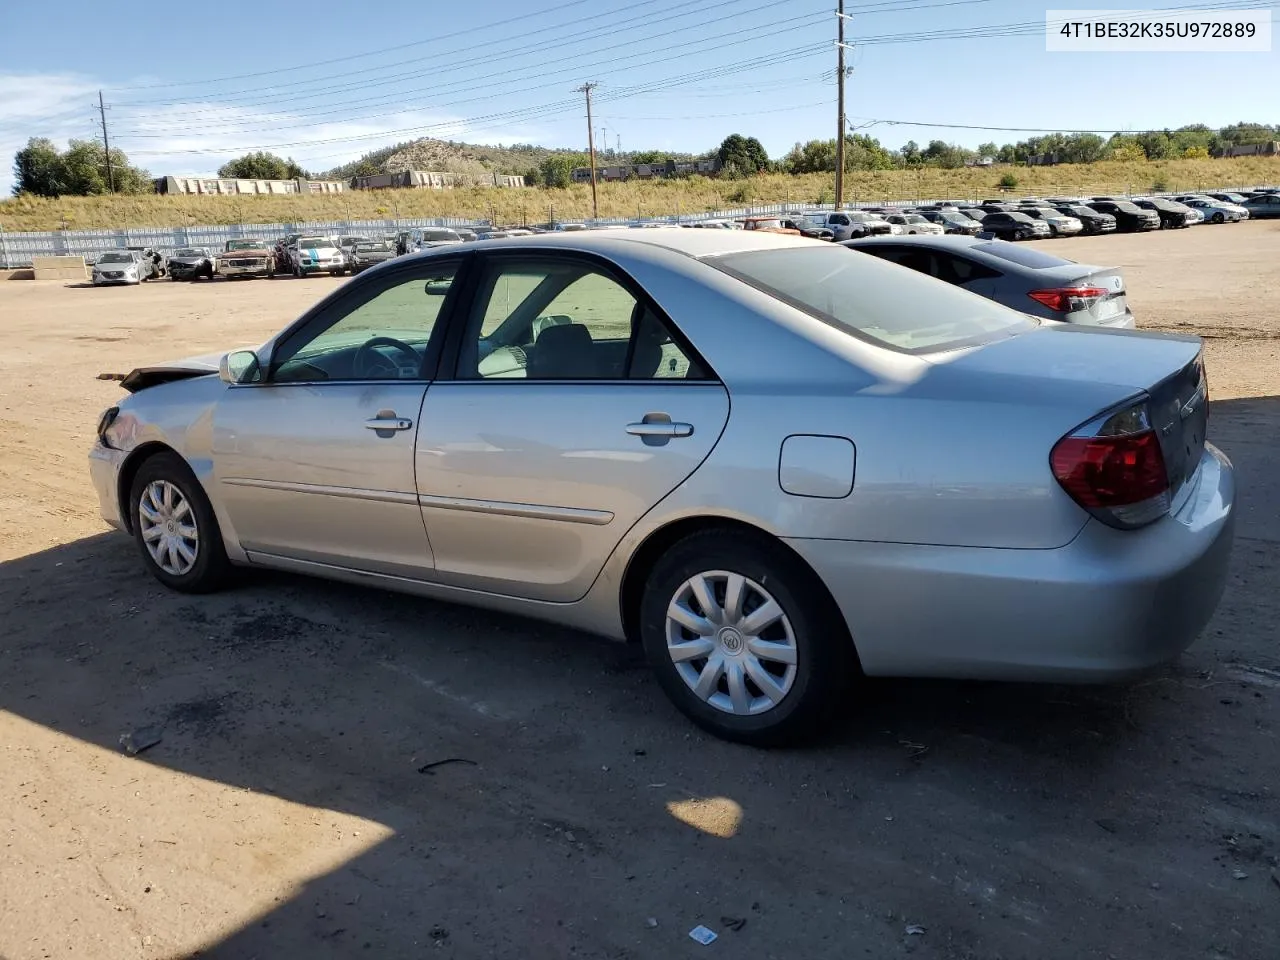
(446, 155)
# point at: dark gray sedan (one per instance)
(369, 253)
(1263, 206)
(191, 263)
(1024, 279)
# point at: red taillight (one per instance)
(1115, 469)
(1069, 299)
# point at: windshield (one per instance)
(914, 218)
(348, 241)
(245, 244)
(116, 258)
(372, 247)
(873, 299)
(439, 235)
(1082, 211)
(1126, 206)
(956, 218)
(862, 217)
(189, 252)
(313, 241)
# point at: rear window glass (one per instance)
(1019, 254)
(874, 300)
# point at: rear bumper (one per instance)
(1108, 605)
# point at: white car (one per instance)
(1060, 224)
(309, 255)
(913, 223)
(1215, 211)
(118, 266)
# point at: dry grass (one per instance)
(695, 195)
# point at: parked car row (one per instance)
(1029, 218)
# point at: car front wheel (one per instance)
(174, 526)
(744, 639)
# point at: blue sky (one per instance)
(189, 92)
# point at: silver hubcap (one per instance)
(731, 642)
(168, 528)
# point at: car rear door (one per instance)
(572, 408)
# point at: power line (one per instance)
(537, 51)
(357, 56)
(170, 126)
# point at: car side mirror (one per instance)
(438, 287)
(239, 366)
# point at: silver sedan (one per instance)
(776, 465)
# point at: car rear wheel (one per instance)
(175, 528)
(744, 639)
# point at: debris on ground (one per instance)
(651, 922)
(734, 923)
(144, 738)
(702, 935)
(1239, 874)
(438, 933)
(914, 930)
(429, 768)
(1108, 824)
(914, 750)
(1275, 878)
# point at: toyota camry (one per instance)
(777, 466)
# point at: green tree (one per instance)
(816, 156)
(650, 156)
(1008, 182)
(1196, 153)
(533, 176)
(1156, 144)
(80, 171)
(261, 166)
(38, 169)
(1082, 148)
(557, 169)
(988, 150)
(911, 153)
(746, 154)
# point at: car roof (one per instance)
(693, 243)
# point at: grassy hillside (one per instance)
(447, 155)
(696, 195)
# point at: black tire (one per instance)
(211, 567)
(1219, 217)
(825, 659)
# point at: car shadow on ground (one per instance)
(1005, 818)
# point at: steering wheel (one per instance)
(371, 364)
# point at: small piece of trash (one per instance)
(1275, 878)
(657, 786)
(144, 738)
(887, 819)
(1108, 825)
(429, 768)
(914, 930)
(651, 922)
(1239, 875)
(734, 923)
(702, 935)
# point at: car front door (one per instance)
(314, 461)
(573, 407)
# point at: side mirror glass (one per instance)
(438, 287)
(239, 366)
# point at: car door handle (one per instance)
(388, 423)
(660, 428)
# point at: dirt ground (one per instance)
(283, 813)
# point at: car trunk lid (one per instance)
(1087, 371)
(1102, 298)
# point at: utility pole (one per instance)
(591, 146)
(106, 145)
(840, 47)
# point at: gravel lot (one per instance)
(284, 815)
